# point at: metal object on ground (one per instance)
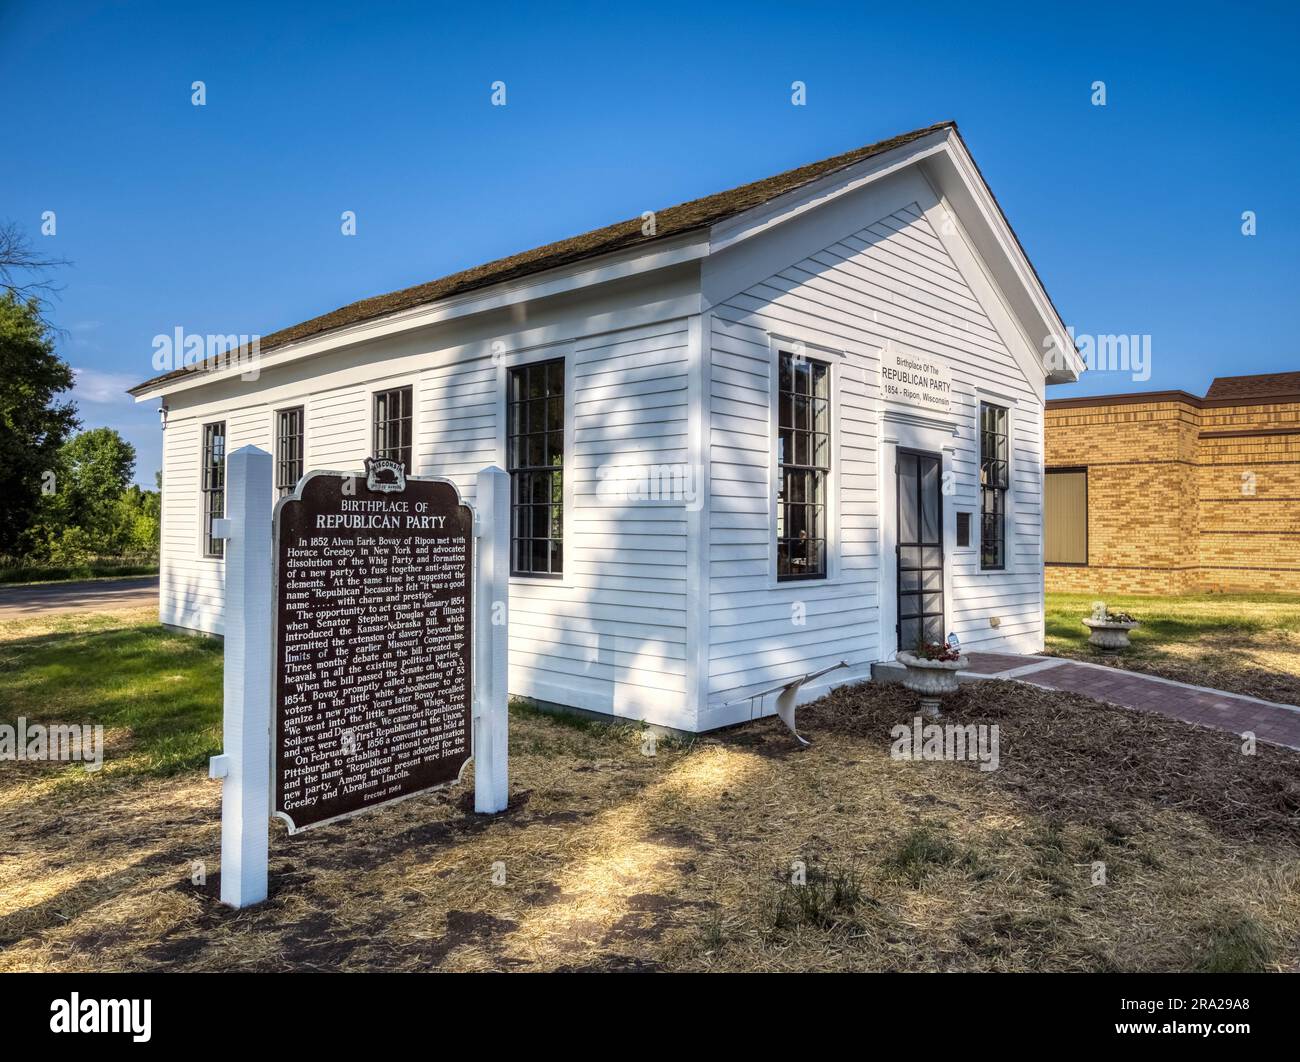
(788, 694)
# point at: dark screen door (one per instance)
(920, 549)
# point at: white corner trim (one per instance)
(698, 586)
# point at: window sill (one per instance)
(774, 583)
(992, 573)
(524, 583)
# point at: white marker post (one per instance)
(491, 641)
(245, 763)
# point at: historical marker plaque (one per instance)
(373, 607)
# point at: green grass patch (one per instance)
(1246, 644)
(828, 897)
(164, 690)
(1166, 619)
(599, 729)
(609, 729)
(1235, 943)
(921, 851)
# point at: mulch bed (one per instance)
(1067, 755)
(616, 861)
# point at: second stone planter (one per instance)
(1110, 636)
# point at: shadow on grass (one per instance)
(407, 887)
(164, 689)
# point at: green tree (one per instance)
(33, 425)
(96, 467)
(95, 510)
(137, 522)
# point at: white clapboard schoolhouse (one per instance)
(750, 437)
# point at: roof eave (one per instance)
(1035, 313)
(615, 265)
(939, 149)
(1043, 327)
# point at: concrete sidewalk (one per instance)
(1278, 724)
(93, 595)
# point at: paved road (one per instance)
(96, 595)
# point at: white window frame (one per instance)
(513, 360)
(411, 380)
(204, 425)
(1011, 563)
(300, 404)
(834, 360)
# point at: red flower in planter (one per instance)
(937, 651)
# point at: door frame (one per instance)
(910, 431)
(937, 455)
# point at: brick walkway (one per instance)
(997, 663)
(1278, 724)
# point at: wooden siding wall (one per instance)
(653, 381)
(613, 632)
(611, 635)
(893, 280)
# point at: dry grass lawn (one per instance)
(610, 859)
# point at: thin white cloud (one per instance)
(82, 334)
(101, 388)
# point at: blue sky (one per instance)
(225, 218)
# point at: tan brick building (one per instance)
(1165, 492)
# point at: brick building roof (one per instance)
(1265, 385)
(1224, 391)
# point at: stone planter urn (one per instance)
(932, 679)
(1109, 635)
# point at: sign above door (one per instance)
(912, 378)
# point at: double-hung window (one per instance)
(288, 449)
(393, 426)
(804, 466)
(214, 485)
(535, 453)
(993, 486)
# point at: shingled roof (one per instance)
(1264, 385)
(672, 221)
(1261, 389)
